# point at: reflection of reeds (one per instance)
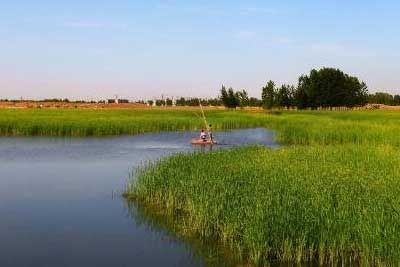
(333, 196)
(154, 219)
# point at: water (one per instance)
(60, 202)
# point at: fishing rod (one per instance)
(204, 116)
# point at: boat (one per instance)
(199, 141)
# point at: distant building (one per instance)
(117, 101)
(122, 101)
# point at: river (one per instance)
(61, 204)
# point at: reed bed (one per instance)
(80, 122)
(332, 196)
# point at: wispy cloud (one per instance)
(245, 35)
(259, 10)
(327, 48)
(83, 24)
(282, 41)
(202, 9)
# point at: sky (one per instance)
(96, 49)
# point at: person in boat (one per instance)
(210, 134)
(203, 135)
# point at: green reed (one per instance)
(80, 122)
(332, 196)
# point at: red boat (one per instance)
(199, 141)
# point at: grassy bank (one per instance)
(80, 122)
(332, 195)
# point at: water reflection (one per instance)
(58, 205)
(211, 253)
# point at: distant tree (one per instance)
(284, 96)
(233, 99)
(268, 95)
(224, 96)
(255, 102)
(168, 102)
(329, 87)
(243, 98)
(204, 102)
(160, 102)
(181, 101)
(229, 98)
(150, 102)
(396, 100)
(381, 98)
(214, 102)
(193, 102)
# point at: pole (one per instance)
(204, 116)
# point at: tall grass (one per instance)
(335, 128)
(78, 122)
(332, 196)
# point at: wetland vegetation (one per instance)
(80, 122)
(331, 195)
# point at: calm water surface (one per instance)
(60, 201)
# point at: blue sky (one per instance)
(142, 49)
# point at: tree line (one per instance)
(323, 88)
(384, 98)
(327, 87)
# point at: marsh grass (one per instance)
(324, 203)
(332, 196)
(80, 122)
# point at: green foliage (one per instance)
(168, 102)
(330, 87)
(384, 98)
(229, 98)
(268, 95)
(243, 98)
(181, 101)
(255, 102)
(81, 122)
(160, 102)
(332, 196)
(285, 96)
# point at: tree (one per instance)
(284, 96)
(329, 87)
(224, 96)
(243, 98)
(181, 101)
(160, 102)
(268, 95)
(255, 102)
(381, 98)
(168, 102)
(229, 98)
(214, 102)
(396, 100)
(233, 99)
